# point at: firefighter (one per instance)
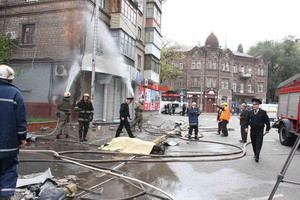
(138, 115)
(64, 115)
(86, 112)
(223, 118)
(243, 120)
(193, 114)
(13, 131)
(257, 120)
(124, 116)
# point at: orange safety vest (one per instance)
(225, 114)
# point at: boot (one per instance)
(80, 137)
(84, 136)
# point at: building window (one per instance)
(223, 67)
(212, 64)
(260, 87)
(242, 88)
(227, 67)
(28, 33)
(225, 84)
(249, 88)
(242, 70)
(154, 13)
(211, 82)
(127, 44)
(139, 33)
(258, 71)
(193, 65)
(128, 11)
(195, 82)
(152, 63)
(234, 86)
(262, 72)
(249, 70)
(234, 68)
(139, 62)
(198, 64)
(152, 36)
(209, 64)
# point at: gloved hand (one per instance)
(91, 118)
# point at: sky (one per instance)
(189, 22)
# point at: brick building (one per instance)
(54, 41)
(215, 75)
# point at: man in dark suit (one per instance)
(124, 116)
(243, 122)
(257, 120)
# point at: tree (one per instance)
(284, 61)
(169, 53)
(5, 49)
(240, 48)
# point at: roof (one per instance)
(241, 54)
(212, 41)
(288, 81)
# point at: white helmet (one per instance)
(6, 72)
(67, 94)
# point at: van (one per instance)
(271, 110)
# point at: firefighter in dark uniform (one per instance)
(257, 120)
(124, 116)
(243, 122)
(64, 115)
(86, 112)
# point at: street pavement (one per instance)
(234, 179)
(219, 180)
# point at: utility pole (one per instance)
(95, 46)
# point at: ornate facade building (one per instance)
(214, 75)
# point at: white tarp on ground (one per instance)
(129, 145)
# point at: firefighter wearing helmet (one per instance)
(85, 116)
(64, 115)
(223, 118)
(13, 131)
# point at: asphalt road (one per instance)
(227, 180)
(240, 179)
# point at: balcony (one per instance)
(245, 75)
(151, 76)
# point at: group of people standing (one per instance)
(257, 119)
(85, 115)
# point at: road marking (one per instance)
(274, 197)
(206, 119)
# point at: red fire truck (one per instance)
(289, 110)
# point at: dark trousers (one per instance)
(83, 127)
(191, 128)
(8, 176)
(127, 127)
(222, 126)
(183, 112)
(244, 133)
(257, 140)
